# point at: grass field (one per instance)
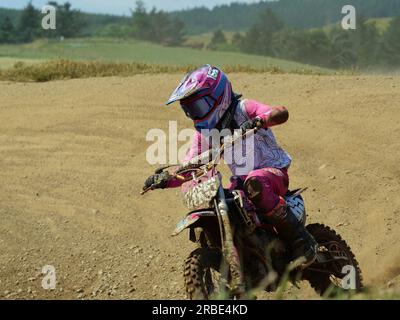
(6, 62)
(205, 38)
(135, 51)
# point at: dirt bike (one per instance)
(238, 251)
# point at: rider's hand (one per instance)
(256, 123)
(156, 181)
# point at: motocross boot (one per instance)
(294, 233)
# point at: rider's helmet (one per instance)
(205, 95)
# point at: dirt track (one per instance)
(72, 162)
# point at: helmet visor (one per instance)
(199, 108)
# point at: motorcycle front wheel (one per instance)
(206, 276)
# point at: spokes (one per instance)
(331, 253)
(336, 270)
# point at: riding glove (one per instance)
(156, 181)
(252, 124)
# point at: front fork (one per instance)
(228, 247)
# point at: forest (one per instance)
(302, 14)
(365, 47)
(298, 30)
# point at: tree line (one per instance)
(303, 14)
(334, 47)
(156, 26)
(269, 35)
(26, 26)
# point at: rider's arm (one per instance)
(271, 115)
(199, 145)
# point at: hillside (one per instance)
(11, 13)
(205, 38)
(381, 23)
(136, 51)
(93, 22)
(294, 13)
(240, 17)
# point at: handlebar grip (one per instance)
(145, 191)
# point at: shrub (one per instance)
(66, 69)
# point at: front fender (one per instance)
(191, 219)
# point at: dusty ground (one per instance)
(72, 162)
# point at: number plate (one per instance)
(296, 204)
(202, 193)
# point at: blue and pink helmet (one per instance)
(205, 95)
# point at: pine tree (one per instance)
(29, 23)
(141, 22)
(259, 38)
(237, 41)
(69, 21)
(285, 44)
(365, 42)
(175, 35)
(156, 26)
(343, 54)
(7, 32)
(217, 40)
(317, 48)
(391, 43)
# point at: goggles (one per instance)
(198, 109)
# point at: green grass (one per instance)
(6, 62)
(205, 38)
(141, 52)
(381, 23)
(69, 69)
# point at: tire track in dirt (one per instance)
(73, 162)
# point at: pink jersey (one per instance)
(264, 152)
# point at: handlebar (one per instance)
(195, 163)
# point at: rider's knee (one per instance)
(253, 188)
(260, 192)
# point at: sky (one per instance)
(121, 7)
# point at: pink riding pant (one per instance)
(270, 184)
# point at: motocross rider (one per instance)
(206, 97)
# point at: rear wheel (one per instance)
(336, 272)
(202, 273)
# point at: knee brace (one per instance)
(253, 189)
